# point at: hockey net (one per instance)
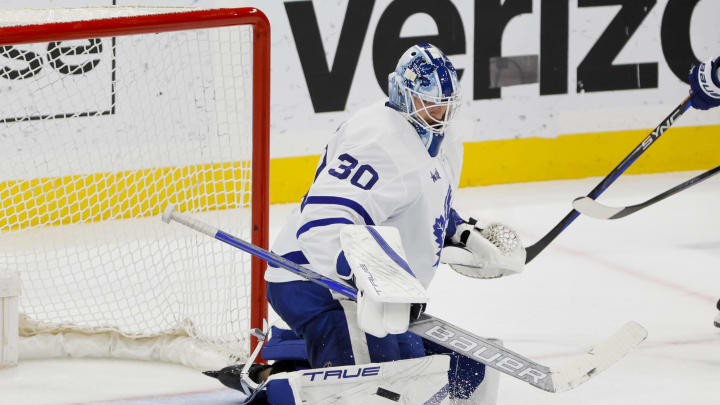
(107, 115)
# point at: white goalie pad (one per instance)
(386, 285)
(405, 382)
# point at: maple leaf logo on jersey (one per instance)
(441, 225)
(435, 176)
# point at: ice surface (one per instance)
(659, 267)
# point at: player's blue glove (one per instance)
(705, 84)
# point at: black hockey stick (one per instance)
(574, 372)
(592, 208)
(534, 249)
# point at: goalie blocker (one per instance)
(387, 287)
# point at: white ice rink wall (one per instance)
(552, 89)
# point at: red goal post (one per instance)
(118, 21)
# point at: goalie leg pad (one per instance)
(469, 382)
(406, 382)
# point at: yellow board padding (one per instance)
(140, 193)
(539, 159)
(128, 194)
(585, 155)
(291, 177)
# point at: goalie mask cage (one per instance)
(107, 115)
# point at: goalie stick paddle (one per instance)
(575, 372)
(534, 249)
(592, 208)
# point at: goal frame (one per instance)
(186, 20)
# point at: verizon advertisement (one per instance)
(529, 68)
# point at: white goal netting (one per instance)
(98, 135)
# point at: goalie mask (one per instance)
(424, 88)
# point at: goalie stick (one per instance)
(573, 373)
(592, 208)
(537, 247)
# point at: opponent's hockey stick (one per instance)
(572, 374)
(592, 208)
(535, 249)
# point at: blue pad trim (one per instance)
(280, 393)
(389, 251)
(284, 345)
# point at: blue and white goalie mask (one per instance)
(424, 87)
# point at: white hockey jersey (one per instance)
(375, 171)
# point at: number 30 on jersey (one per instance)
(364, 177)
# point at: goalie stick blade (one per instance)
(563, 378)
(599, 358)
(588, 206)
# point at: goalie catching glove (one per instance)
(490, 252)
